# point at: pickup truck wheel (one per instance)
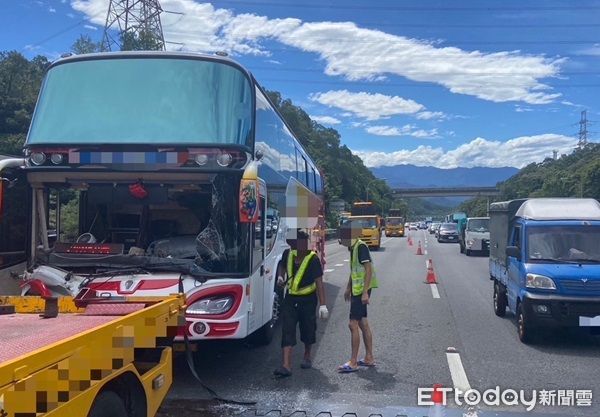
(461, 247)
(468, 252)
(524, 325)
(499, 301)
(108, 404)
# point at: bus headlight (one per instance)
(201, 159)
(38, 158)
(211, 305)
(224, 159)
(540, 282)
(57, 158)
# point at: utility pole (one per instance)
(133, 25)
(583, 130)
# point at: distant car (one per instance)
(436, 229)
(432, 228)
(422, 225)
(448, 233)
(413, 226)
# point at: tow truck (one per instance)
(89, 356)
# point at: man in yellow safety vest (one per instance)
(362, 279)
(303, 289)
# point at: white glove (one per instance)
(323, 312)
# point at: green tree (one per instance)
(144, 40)
(85, 45)
(20, 80)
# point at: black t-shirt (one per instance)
(313, 270)
(363, 254)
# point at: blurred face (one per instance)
(298, 242)
(349, 233)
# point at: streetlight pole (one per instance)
(369, 184)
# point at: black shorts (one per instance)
(358, 310)
(299, 310)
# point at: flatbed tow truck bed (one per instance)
(109, 359)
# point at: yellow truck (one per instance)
(394, 223)
(364, 213)
(99, 358)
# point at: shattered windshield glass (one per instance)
(191, 227)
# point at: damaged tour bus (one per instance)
(149, 172)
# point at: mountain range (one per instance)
(411, 176)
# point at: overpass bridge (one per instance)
(446, 192)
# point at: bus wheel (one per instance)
(264, 335)
(108, 404)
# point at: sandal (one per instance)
(362, 362)
(346, 368)
(282, 372)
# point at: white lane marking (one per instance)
(434, 291)
(329, 270)
(426, 264)
(425, 252)
(346, 260)
(386, 241)
(338, 265)
(457, 371)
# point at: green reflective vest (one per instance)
(295, 280)
(357, 272)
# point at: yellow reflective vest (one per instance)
(295, 280)
(357, 272)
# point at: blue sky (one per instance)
(461, 83)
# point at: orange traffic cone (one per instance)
(419, 250)
(437, 409)
(431, 278)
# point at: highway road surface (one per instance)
(414, 325)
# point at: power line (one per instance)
(410, 8)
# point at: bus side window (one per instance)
(259, 235)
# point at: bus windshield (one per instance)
(141, 100)
(191, 228)
(394, 221)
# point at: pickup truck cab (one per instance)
(545, 262)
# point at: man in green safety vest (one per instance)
(303, 290)
(362, 279)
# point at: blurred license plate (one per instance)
(450, 237)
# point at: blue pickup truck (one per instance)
(545, 262)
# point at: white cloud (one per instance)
(516, 152)
(326, 120)
(70, 15)
(52, 10)
(90, 27)
(522, 109)
(427, 115)
(593, 50)
(370, 106)
(356, 53)
(406, 130)
(273, 61)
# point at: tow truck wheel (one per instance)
(499, 301)
(523, 325)
(108, 404)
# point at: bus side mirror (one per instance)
(513, 252)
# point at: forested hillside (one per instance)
(573, 175)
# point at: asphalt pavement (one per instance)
(424, 334)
